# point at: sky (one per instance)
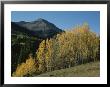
(62, 19)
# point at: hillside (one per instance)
(32, 56)
(90, 69)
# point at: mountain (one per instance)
(26, 37)
(40, 28)
(18, 30)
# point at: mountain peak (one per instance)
(40, 19)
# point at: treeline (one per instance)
(67, 49)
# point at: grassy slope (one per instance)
(85, 70)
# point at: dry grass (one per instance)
(85, 70)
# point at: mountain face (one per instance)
(40, 28)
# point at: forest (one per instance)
(70, 48)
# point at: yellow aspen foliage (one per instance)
(49, 55)
(41, 56)
(72, 47)
(26, 69)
